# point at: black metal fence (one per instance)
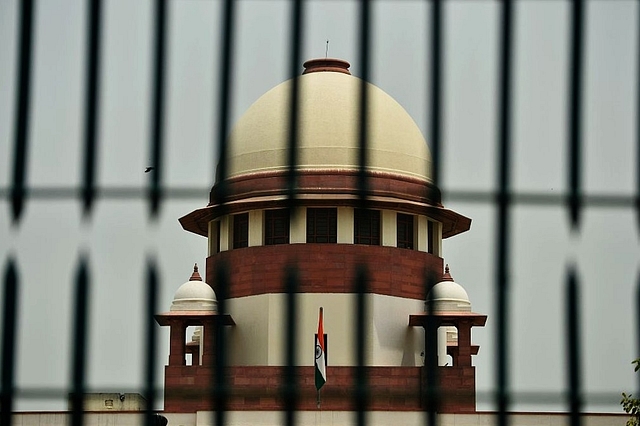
(19, 193)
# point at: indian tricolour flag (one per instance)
(321, 363)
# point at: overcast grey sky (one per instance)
(119, 237)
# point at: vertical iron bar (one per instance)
(9, 326)
(436, 87)
(431, 330)
(290, 389)
(365, 54)
(503, 214)
(79, 342)
(155, 190)
(575, 104)
(638, 332)
(361, 394)
(638, 128)
(220, 391)
(573, 354)
(91, 107)
(22, 112)
(151, 341)
(294, 67)
(638, 195)
(432, 391)
(224, 99)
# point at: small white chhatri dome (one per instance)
(195, 295)
(449, 296)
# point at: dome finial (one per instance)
(196, 275)
(326, 64)
(447, 275)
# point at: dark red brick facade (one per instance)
(254, 388)
(326, 268)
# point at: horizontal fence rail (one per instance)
(90, 192)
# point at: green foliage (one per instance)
(630, 404)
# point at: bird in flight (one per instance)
(148, 169)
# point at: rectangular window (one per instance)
(404, 224)
(366, 227)
(322, 225)
(241, 230)
(430, 237)
(276, 227)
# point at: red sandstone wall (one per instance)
(326, 268)
(258, 388)
(458, 386)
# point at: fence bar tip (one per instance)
(157, 102)
(574, 198)
(89, 190)
(22, 112)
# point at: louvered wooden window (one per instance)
(276, 227)
(322, 225)
(366, 227)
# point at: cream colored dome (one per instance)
(449, 296)
(194, 295)
(329, 128)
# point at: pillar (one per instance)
(177, 342)
(464, 344)
(209, 343)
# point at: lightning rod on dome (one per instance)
(326, 50)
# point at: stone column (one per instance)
(209, 342)
(177, 342)
(464, 343)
